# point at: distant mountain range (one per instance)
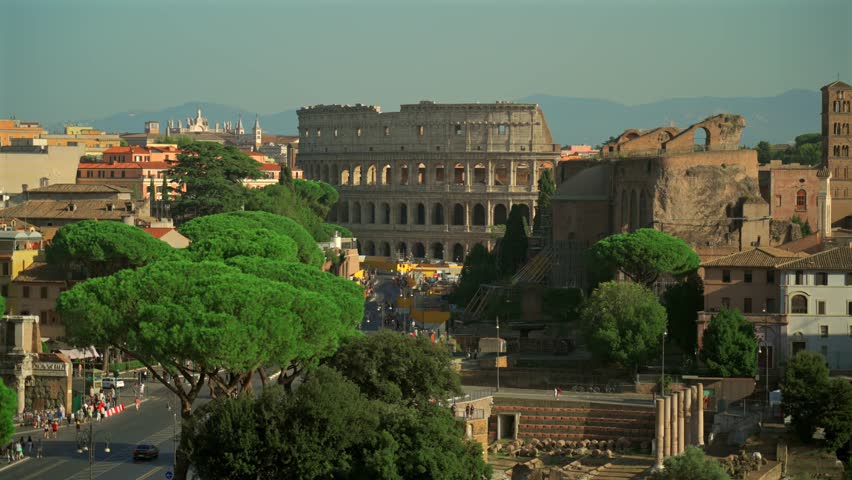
(777, 119)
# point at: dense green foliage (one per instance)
(397, 369)
(212, 175)
(103, 248)
(804, 225)
(308, 202)
(836, 418)
(182, 141)
(329, 429)
(479, 268)
(8, 407)
(257, 242)
(683, 301)
(546, 189)
(512, 251)
(642, 256)
(562, 304)
(330, 228)
(691, 465)
(224, 225)
(807, 151)
(730, 345)
(623, 323)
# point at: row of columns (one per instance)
(332, 173)
(377, 215)
(406, 249)
(680, 423)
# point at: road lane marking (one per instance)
(13, 465)
(50, 467)
(148, 475)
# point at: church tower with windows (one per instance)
(258, 133)
(836, 143)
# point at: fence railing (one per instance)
(461, 413)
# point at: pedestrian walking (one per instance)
(29, 446)
(40, 450)
(137, 403)
(46, 434)
(55, 429)
(19, 450)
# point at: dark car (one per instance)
(145, 452)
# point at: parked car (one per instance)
(145, 452)
(112, 382)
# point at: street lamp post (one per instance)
(663, 366)
(498, 352)
(87, 444)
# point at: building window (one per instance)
(800, 277)
(459, 130)
(821, 307)
(821, 278)
(335, 132)
(123, 174)
(746, 305)
(726, 276)
(387, 131)
(849, 279)
(799, 304)
(4, 268)
(770, 305)
(823, 331)
(801, 200)
(25, 292)
(777, 200)
(770, 277)
(726, 302)
(43, 292)
(421, 130)
(747, 276)
(358, 131)
(849, 308)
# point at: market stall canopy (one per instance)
(78, 353)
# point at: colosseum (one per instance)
(431, 180)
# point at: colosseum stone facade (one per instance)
(431, 180)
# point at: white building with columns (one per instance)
(431, 180)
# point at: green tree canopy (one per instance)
(318, 196)
(212, 175)
(836, 419)
(691, 465)
(306, 201)
(204, 318)
(8, 408)
(730, 345)
(258, 242)
(479, 268)
(805, 384)
(512, 251)
(327, 429)
(764, 154)
(330, 228)
(683, 301)
(642, 256)
(623, 323)
(103, 248)
(397, 369)
(182, 141)
(546, 189)
(226, 224)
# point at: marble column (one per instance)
(687, 421)
(673, 422)
(700, 420)
(658, 459)
(667, 427)
(680, 421)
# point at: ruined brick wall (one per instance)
(46, 392)
(722, 132)
(785, 183)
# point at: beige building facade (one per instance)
(431, 180)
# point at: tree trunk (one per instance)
(106, 361)
(182, 462)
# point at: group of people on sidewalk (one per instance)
(14, 451)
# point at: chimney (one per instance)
(110, 206)
(72, 207)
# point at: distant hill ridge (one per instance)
(572, 120)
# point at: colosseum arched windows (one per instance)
(458, 174)
(420, 216)
(387, 175)
(385, 213)
(403, 214)
(371, 174)
(345, 177)
(371, 212)
(438, 251)
(479, 173)
(385, 249)
(356, 175)
(501, 174)
(370, 248)
(421, 174)
(523, 175)
(403, 174)
(335, 177)
(440, 174)
(478, 214)
(625, 211)
(344, 212)
(324, 174)
(458, 214)
(402, 249)
(438, 214)
(418, 250)
(458, 253)
(634, 210)
(644, 219)
(356, 212)
(500, 214)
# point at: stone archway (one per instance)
(438, 214)
(418, 250)
(458, 253)
(458, 214)
(500, 215)
(479, 214)
(438, 251)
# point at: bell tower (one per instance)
(258, 133)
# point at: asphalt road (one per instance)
(153, 424)
(384, 290)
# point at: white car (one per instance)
(110, 382)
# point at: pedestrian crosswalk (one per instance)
(116, 459)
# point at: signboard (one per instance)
(169, 475)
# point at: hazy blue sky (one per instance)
(63, 59)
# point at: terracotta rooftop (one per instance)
(158, 232)
(116, 165)
(758, 257)
(839, 258)
(156, 165)
(80, 188)
(130, 150)
(58, 209)
(41, 272)
(269, 167)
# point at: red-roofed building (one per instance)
(170, 236)
(124, 174)
(271, 174)
(160, 153)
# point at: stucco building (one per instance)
(431, 180)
